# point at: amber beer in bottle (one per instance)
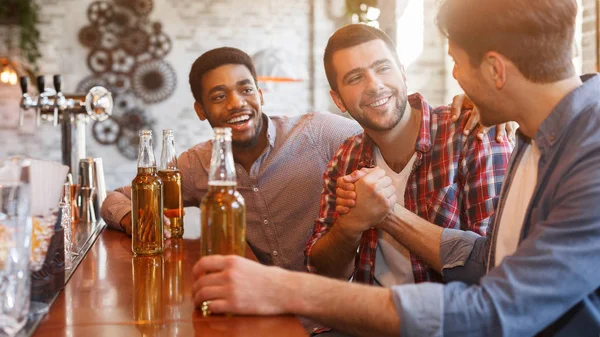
(222, 211)
(171, 178)
(147, 202)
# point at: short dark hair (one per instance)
(350, 36)
(535, 35)
(213, 59)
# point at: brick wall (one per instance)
(194, 27)
(300, 28)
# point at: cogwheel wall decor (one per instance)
(90, 36)
(106, 132)
(100, 12)
(154, 81)
(100, 60)
(126, 55)
(136, 42)
(91, 81)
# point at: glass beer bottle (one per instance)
(171, 178)
(147, 202)
(222, 211)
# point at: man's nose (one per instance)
(236, 101)
(374, 83)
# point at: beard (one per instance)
(253, 140)
(398, 113)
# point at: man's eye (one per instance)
(383, 69)
(217, 98)
(354, 79)
(248, 91)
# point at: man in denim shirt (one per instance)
(538, 273)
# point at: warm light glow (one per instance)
(8, 74)
(411, 32)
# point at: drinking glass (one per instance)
(15, 241)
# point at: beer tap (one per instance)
(43, 103)
(72, 111)
(26, 100)
(59, 101)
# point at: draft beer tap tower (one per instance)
(71, 111)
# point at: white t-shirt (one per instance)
(392, 260)
(517, 200)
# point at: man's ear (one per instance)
(495, 65)
(262, 101)
(200, 111)
(403, 72)
(338, 101)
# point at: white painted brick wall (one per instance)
(197, 26)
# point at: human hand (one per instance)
(345, 196)
(461, 103)
(375, 197)
(233, 284)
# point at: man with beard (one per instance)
(538, 273)
(411, 155)
(279, 160)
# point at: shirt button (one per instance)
(255, 189)
(266, 222)
(275, 253)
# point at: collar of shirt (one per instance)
(423, 143)
(567, 110)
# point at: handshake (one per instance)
(364, 199)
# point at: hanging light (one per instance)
(8, 74)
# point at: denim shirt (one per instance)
(551, 285)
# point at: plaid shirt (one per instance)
(454, 183)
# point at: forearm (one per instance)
(333, 255)
(116, 206)
(352, 308)
(419, 236)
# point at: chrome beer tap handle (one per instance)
(42, 101)
(59, 99)
(26, 101)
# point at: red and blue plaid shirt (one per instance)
(454, 183)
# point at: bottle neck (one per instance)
(146, 153)
(222, 167)
(168, 157)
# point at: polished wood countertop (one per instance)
(115, 294)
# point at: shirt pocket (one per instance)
(443, 208)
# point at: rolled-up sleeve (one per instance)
(463, 255)
(420, 308)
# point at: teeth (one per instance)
(380, 102)
(238, 119)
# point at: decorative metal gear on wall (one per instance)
(154, 81)
(126, 56)
(106, 132)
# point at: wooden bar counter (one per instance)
(114, 294)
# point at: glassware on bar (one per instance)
(15, 239)
(171, 178)
(147, 202)
(222, 211)
(65, 223)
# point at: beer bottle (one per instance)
(222, 211)
(171, 178)
(146, 202)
